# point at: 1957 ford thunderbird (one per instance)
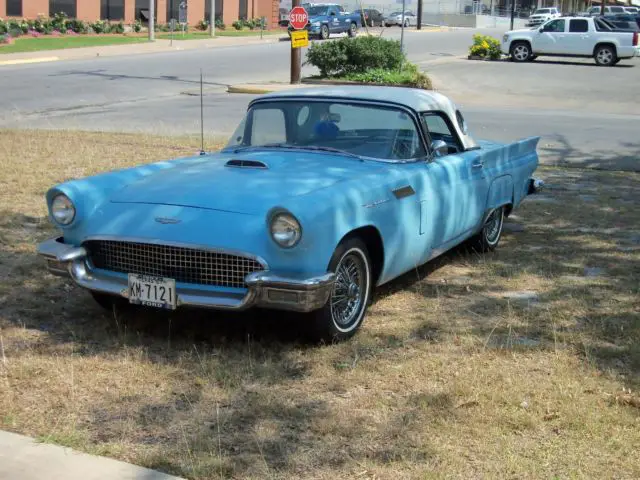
(320, 195)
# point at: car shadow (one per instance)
(571, 63)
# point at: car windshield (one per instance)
(318, 10)
(355, 129)
(541, 11)
(394, 14)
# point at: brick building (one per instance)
(129, 10)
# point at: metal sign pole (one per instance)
(296, 54)
(151, 23)
(212, 17)
(402, 31)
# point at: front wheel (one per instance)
(488, 238)
(605, 56)
(344, 311)
(520, 52)
(353, 30)
(324, 32)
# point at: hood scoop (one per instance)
(246, 164)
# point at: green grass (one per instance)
(57, 43)
(219, 33)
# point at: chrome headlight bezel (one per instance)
(62, 210)
(284, 228)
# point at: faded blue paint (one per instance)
(330, 194)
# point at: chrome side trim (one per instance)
(294, 292)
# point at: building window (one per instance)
(173, 8)
(142, 10)
(112, 9)
(14, 8)
(63, 6)
(207, 10)
(243, 7)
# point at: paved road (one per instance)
(585, 114)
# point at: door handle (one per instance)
(477, 165)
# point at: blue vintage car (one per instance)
(328, 18)
(320, 195)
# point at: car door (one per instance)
(455, 184)
(334, 20)
(552, 37)
(579, 41)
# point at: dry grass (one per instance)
(447, 379)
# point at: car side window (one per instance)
(268, 126)
(439, 127)
(555, 26)
(340, 9)
(578, 26)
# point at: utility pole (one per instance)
(212, 18)
(419, 26)
(602, 7)
(296, 55)
(513, 11)
(402, 26)
(152, 20)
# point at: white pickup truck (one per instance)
(572, 37)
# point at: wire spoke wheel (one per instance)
(493, 227)
(349, 291)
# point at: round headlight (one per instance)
(285, 230)
(62, 209)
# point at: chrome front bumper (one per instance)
(265, 289)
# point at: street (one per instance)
(586, 115)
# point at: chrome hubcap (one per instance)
(521, 52)
(605, 56)
(493, 226)
(349, 290)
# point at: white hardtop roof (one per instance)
(414, 98)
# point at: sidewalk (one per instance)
(159, 46)
(21, 458)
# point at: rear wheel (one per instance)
(605, 56)
(488, 238)
(345, 309)
(520, 52)
(353, 30)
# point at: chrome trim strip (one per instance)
(295, 292)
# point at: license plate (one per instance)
(151, 291)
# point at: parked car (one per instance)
(623, 21)
(372, 17)
(572, 37)
(542, 15)
(328, 18)
(632, 10)
(593, 11)
(320, 195)
(395, 18)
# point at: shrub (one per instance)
(202, 25)
(100, 26)
(238, 24)
(219, 24)
(59, 21)
(76, 25)
(355, 55)
(485, 46)
(4, 28)
(6, 39)
(136, 26)
(409, 76)
(116, 27)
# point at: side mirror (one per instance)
(541, 29)
(440, 148)
(333, 14)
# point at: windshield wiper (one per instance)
(297, 147)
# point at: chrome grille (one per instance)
(186, 265)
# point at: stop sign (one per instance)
(298, 18)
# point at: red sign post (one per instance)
(298, 19)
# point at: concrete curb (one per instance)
(258, 89)
(22, 457)
(22, 61)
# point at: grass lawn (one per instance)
(219, 33)
(56, 43)
(523, 363)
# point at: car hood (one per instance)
(257, 182)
